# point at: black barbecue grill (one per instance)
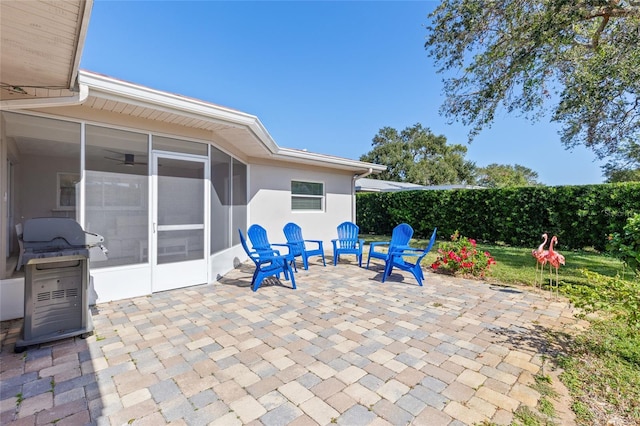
(56, 258)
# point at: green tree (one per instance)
(582, 57)
(418, 156)
(502, 175)
(625, 166)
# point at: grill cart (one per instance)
(56, 285)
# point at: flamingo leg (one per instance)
(539, 271)
(542, 265)
(540, 279)
(550, 282)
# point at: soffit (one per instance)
(244, 132)
(40, 47)
(240, 137)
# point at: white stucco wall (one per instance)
(269, 204)
(270, 201)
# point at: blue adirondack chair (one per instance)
(260, 242)
(268, 263)
(400, 237)
(347, 242)
(397, 256)
(298, 245)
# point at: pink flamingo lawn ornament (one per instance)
(541, 259)
(555, 259)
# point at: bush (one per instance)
(460, 256)
(626, 245)
(611, 295)
(581, 216)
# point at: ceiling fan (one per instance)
(126, 159)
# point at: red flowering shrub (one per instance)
(460, 256)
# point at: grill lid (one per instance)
(51, 239)
(53, 232)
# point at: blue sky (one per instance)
(324, 76)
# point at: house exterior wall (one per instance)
(270, 201)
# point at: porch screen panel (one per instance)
(239, 209)
(220, 200)
(46, 157)
(180, 204)
(117, 195)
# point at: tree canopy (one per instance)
(418, 156)
(501, 176)
(578, 59)
(625, 166)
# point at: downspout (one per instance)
(353, 192)
(78, 98)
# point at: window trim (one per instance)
(322, 197)
(69, 181)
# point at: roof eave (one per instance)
(112, 88)
(119, 90)
(80, 40)
(307, 157)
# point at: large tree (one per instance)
(625, 166)
(502, 175)
(418, 156)
(581, 58)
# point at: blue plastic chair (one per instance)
(397, 255)
(298, 245)
(267, 264)
(347, 242)
(400, 237)
(260, 242)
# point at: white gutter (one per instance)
(364, 175)
(328, 159)
(77, 99)
(84, 18)
(353, 192)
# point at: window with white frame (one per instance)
(307, 195)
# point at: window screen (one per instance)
(307, 195)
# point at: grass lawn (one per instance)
(516, 265)
(601, 366)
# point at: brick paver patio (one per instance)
(343, 348)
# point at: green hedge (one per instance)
(581, 216)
